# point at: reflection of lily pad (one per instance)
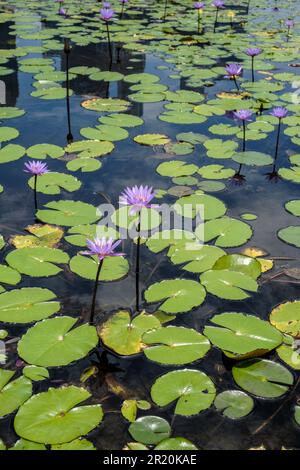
(52, 417)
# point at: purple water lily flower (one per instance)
(253, 51)
(137, 197)
(36, 168)
(289, 23)
(124, 1)
(199, 5)
(218, 4)
(233, 70)
(280, 112)
(102, 247)
(62, 12)
(106, 14)
(243, 114)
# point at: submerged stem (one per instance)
(95, 293)
(108, 40)
(236, 84)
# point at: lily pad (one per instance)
(192, 390)
(37, 261)
(253, 158)
(150, 429)
(11, 152)
(54, 342)
(179, 295)
(68, 213)
(152, 139)
(228, 284)
(13, 393)
(54, 183)
(286, 318)
(226, 231)
(42, 151)
(124, 335)
(106, 105)
(90, 148)
(176, 168)
(53, 417)
(262, 377)
(290, 235)
(175, 345)
(27, 305)
(35, 373)
(176, 443)
(234, 404)
(113, 268)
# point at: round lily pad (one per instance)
(53, 417)
(55, 342)
(178, 295)
(124, 335)
(27, 305)
(226, 231)
(68, 213)
(175, 345)
(150, 429)
(290, 235)
(8, 133)
(54, 183)
(176, 443)
(286, 318)
(35, 373)
(13, 393)
(37, 261)
(152, 139)
(90, 148)
(113, 268)
(262, 377)
(42, 151)
(228, 284)
(234, 404)
(192, 390)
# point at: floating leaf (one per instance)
(175, 345)
(293, 207)
(198, 258)
(106, 105)
(216, 172)
(90, 148)
(43, 235)
(124, 335)
(176, 168)
(228, 284)
(176, 443)
(68, 213)
(54, 342)
(37, 261)
(253, 158)
(35, 373)
(53, 183)
(77, 444)
(122, 120)
(150, 429)
(27, 305)
(290, 235)
(208, 207)
(286, 318)
(42, 151)
(262, 378)
(13, 393)
(152, 139)
(182, 295)
(52, 417)
(226, 231)
(104, 132)
(8, 133)
(113, 268)
(239, 263)
(7, 112)
(234, 404)
(242, 335)
(11, 152)
(192, 390)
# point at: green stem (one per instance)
(137, 267)
(92, 314)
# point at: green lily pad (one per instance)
(23, 444)
(228, 284)
(226, 231)
(242, 335)
(104, 132)
(179, 295)
(52, 417)
(54, 93)
(35, 373)
(286, 318)
(234, 404)
(216, 172)
(106, 105)
(198, 258)
(27, 305)
(262, 377)
(77, 444)
(176, 168)
(293, 207)
(13, 393)
(7, 112)
(253, 158)
(11, 152)
(152, 139)
(85, 164)
(290, 235)
(239, 263)
(208, 207)
(192, 390)
(150, 429)
(217, 148)
(175, 345)
(80, 233)
(8, 133)
(113, 268)
(121, 120)
(90, 148)
(42, 151)
(53, 183)
(68, 213)
(54, 342)
(37, 261)
(176, 443)
(120, 325)
(290, 174)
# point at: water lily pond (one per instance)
(171, 322)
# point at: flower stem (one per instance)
(92, 314)
(244, 136)
(252, 67)
(67, 52)
(277, 140)
(216, 19)
(236, 84)
(35, 194)
(122, 11)
(137, 266)
(165, 10)
(108, 40)
(199, 20)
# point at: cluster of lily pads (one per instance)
(211, 260)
